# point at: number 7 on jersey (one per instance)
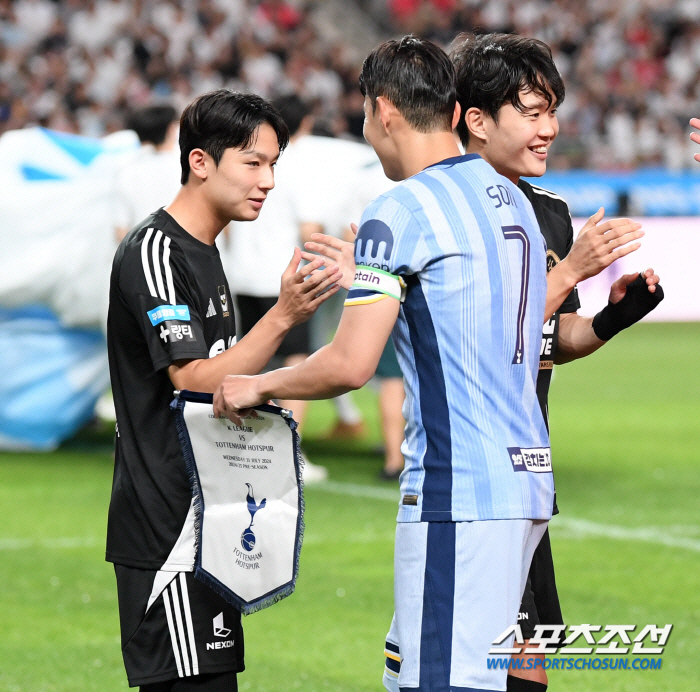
(518, 233)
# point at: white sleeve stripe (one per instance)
(546, 193)
(144, 262)
(156, 265)
(168, 271)
(180, 629)
(188, 619)
(171, 627)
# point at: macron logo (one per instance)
(211, 310)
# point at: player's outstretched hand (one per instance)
(303, 290)
(336, 251)
(619, 288)
(695, 136)
(236, 396)
(598, 245)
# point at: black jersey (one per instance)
(554, 218)
(169, 300)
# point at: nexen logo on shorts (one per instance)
(371, 235)
(535, 460)
(220, 631)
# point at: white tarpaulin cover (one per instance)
(56, 248)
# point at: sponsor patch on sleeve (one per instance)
(169, 312)
(372, 284)
(535, 459)
(174, 332)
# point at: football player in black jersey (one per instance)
(509, 88)
(171, 326)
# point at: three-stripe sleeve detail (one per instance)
(156, 268)
(144, 261)
(188, 620)
(177, 604)
(173, 635)
(168, 271)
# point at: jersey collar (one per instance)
(453, 160)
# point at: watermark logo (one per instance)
(550, 639)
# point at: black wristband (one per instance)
(637, 303)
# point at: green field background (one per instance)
(625, 438)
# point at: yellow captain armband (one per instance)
(371, 285)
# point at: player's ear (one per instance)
(474, 119)
(199, 162)
(456, 115)
(387, 111)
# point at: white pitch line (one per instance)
(67, 542)
(568, 526)
(370, 492)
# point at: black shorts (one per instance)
(540, 604)
(252, 308)
(187, 630)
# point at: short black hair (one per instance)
(224, 119)
(417, 77)
(151, 123)
(293, 110)
(494, 69)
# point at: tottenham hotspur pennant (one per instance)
(248, 501)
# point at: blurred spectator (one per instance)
(152, 178)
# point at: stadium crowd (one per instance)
(632, 68)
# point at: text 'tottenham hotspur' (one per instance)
(250, 448)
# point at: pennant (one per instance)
(248, 500)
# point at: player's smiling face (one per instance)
(239, 185)
(518, 144)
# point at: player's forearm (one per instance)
(561, 280)
(576, 338)
(328, 373)
(247, 357)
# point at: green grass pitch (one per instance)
(626, 440)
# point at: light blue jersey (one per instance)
(471, 260)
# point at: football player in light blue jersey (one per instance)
(509, 90)
(453, 261)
